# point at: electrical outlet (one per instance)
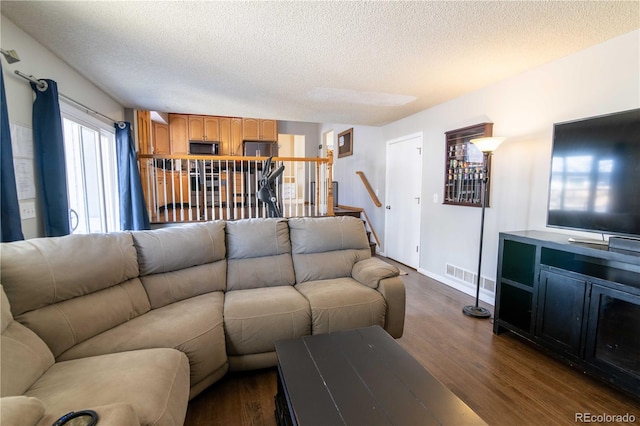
(27, 210)
(435, 197)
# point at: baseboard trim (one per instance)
(471, 291)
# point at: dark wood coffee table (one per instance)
(360, 377)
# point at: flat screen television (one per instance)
(595, 174)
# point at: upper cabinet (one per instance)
(256, 129)
(144, 132)
(161, 145)
(155, 138)
(235, 143)
(204, 128)
(179, 133)
(230, 135)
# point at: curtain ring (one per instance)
(122, 125)
(42, 85)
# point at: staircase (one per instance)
(345, 211)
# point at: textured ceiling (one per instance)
(340, 62)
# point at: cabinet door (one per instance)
(144, 131)
(196, 128)
(161, 145)
(613, 334)
(268, 130)
(211, 128)
(181, 188)
(225, 135)
(178, 132)
(145, 180)
(204, 128)
(560, 311)
(164, 190)
(250, 129)
(235, 144)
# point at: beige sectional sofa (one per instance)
(134, 324)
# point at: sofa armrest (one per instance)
(393, 291)
(20, 410)
(118, 414)
(373, 270)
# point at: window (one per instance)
(92, 173)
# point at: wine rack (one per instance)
(464, 166)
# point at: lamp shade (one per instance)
(488, 144)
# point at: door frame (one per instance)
(401, 139)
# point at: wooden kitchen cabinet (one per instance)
(225, 135)
(181, 193)
(143, 119)
(144, 179)
(256, 129)
(161, 144)
(269, 130)
(179, 134)
(235, 144)
(230, 136)
(171, 188)
(204, 128)
(234, 183)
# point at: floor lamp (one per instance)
(487, 146)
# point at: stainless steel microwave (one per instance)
(204, 148)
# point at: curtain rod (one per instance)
(42, 85)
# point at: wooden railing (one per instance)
(367, 185)
(201, 188)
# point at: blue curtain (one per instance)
(48, 152)
(10, 224)
(133, 209)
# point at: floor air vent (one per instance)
(469, 277)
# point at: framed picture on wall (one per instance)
(345, 143)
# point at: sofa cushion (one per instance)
(259, 254)
(65, 324)
(178, 247)
(20, 411)
(155, 382)
(342, 304)
(42, 271)
(182, 261)
(328, 247)
(255, 319)
(24, 357)
(193, 326)
(170, 287)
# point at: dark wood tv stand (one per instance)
(580, 301)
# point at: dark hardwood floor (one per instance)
(502, 378)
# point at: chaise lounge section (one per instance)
(191, 301)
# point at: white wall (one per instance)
(38, 61)
(598, 80)
(369, 150)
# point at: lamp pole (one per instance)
(487, 145)
(477, 311)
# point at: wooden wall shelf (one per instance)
(464, 166)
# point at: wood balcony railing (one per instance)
(200, 188)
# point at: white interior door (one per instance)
(403, 199)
